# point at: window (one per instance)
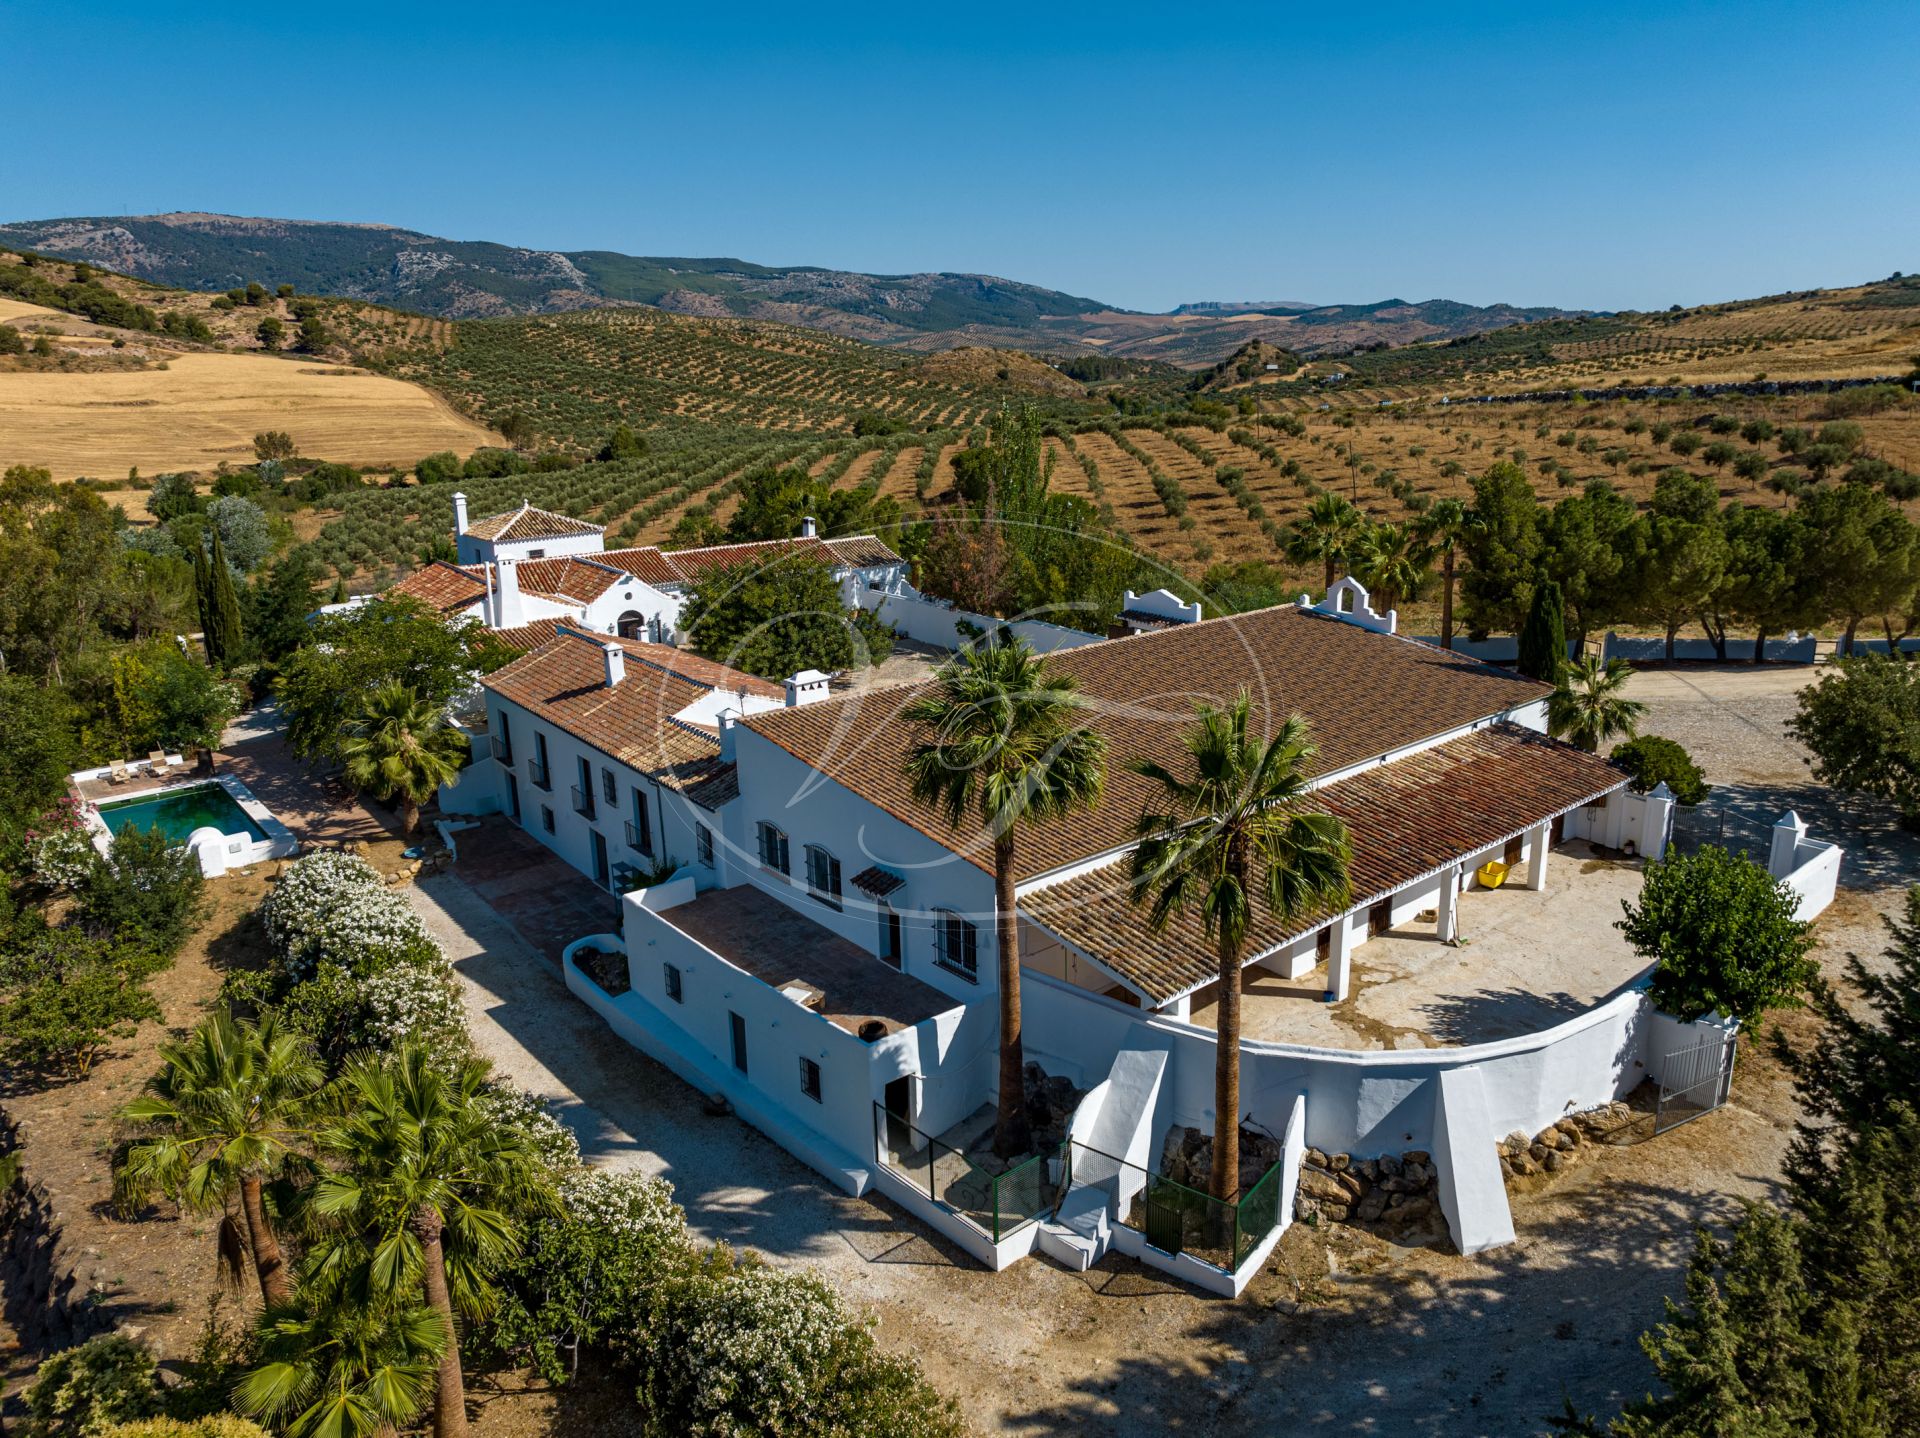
(737, 1028)
(537, 771)
(959, 944)
(773, 850)
(673, 983)
(536, 554)
(640, 826)
(609, 787)
(810, 1079)
(823, 875)
(546, 818)
(703, 844)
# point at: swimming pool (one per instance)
(176, 813)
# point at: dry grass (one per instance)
(201, 409)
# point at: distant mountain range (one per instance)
(466, 279)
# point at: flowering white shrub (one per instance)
(624, 1205)
(552, 1140)
(335, 908)
(404, 1002)
(62, 858)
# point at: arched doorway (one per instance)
(631, 625)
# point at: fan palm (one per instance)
(1234, 830)
(1444, 529)
(424, 1196)
(330, 1367)
(1006, 746)
(227, 1105)
(1328, 532)
(1393, 562)
(1589, 705)
(400, 746)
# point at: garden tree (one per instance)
(438, 467)
(622, 443)
(1005, 746)
(226, 1111)
(398, 746)
(146, 891)
(171, 496)
(243, 530)
(773, 503)
(1766, 584)
(271, 332)
(223, 637)
(1394, 564)
(772, 619)
(276, 603)
(366, 648)
(68, 997)
(1685, 565)
(1861, 723)
(275, 444)
(1235, 835)
(1721, 932)
(1653, 761)
(38, 753)
(1590, 706)
(966, 560)
(1543, 638)
(1503, 548)
(335, 1365)
(1069, 567)
(60, 571)
(1330, 531)
(1244, 587)
(426, 1189)
(1858, 554)
(136, 698)
(1593, 546)
(1443, 529)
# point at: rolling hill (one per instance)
(464, 279)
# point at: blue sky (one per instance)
(1605, 156)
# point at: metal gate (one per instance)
(1694, 1081)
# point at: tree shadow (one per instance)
(1488, 1014)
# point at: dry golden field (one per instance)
(192, 411)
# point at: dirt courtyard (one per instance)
(1341, 1332)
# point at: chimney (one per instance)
(728, 720)
(616, 663)
(809, 528)
(508, 611)
(809, 686)
(459, 515)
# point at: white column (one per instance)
(1340, 960)
(1447, 909)
(1180, 1010)
(1539, 840)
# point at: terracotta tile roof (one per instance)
(564, 683)
(646, 563)
(696, 564)
(861, 551)
(441, 587)
(1364, 694)
(581, 578)
(526, 522)
(1406, 819)
(529, 636)
(876, 881)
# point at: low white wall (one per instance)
(1624, 820)
(1879, 646)
(1494, 649)
(1814, 877)
(476, 788)
(1646, 651)
(218, 854)
(936, 622)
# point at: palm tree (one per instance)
(340, 1368)
(1393, 563)
(1006, 746)
(1443, 529)
(228, 1103)
(427, 1185)
(1589, 705)
(399, 746)
(1236, 829)
(1328, 532)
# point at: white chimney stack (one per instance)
(809, 528)
(809, 686)
(727, 720)
(616, 663)
(459, 515)
(508, 611)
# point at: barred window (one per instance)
(823, 875)
(959, 944)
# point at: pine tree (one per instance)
(1543, 638)
(223, 635)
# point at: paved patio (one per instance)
(546, 899)
(1525, 961)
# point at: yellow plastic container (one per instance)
(1492, 874)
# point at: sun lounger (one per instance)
(157, 759)
(117, 772)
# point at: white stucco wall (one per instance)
(474, 550)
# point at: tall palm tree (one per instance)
(1328, 532)
(1589, 705)
(424, 1196)
(1393, 562)
(228, 1104)
(1444, 529)
(332, 1367)
(399, 746)
(1234, 830)
(1006, 746)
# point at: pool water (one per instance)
(178, 812)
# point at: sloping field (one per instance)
(203, 408)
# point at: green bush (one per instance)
(82, 1392)
(1652, 760)
(146, 891)
(218, 1425)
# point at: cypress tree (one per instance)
(225, 606)
(203, 601)
(1543, 638)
